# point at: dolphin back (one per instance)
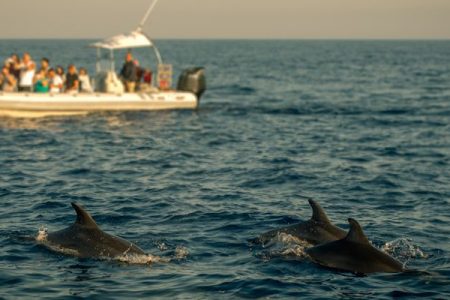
(317, 230)
(354, 253)
(85, 239)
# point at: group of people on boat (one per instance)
(22, 75)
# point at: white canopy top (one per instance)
(134, 39)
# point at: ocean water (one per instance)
(363, 127)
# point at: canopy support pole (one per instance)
(97, 65)
(113, 64)
(158, 55)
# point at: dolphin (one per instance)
(85, 239)
(316, 230)
(354, 253)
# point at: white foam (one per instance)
(403, 249)
(284, 244)
(181, 252)
(42, 234)
(140, 259)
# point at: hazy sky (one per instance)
(408, 19)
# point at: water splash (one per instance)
(162, 246)
(284, 245)
(181, 252)
(403, 249)
(140, 259)
(42, 234)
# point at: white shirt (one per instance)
(55, 84)
(85, 83)
(26, 78)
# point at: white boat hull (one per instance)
(39, 105)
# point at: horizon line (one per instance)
(242, 38)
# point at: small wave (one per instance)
(4, 192)
(76, 172)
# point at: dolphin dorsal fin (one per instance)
(319, 214)
(83, 217)
(356, 234)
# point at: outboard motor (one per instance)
(192, 80)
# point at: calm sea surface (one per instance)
(362, 127)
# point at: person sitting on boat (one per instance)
(85, 81)
(55, 81)
(14, 65)
(129, 73)
(60, 72)
(146, 84)
(26, 77)
(41, 82)
(148, 74)
(8, 82)
(72, 80)
(45, 65)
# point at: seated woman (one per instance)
(85, 82)
(41, 84)
(15, 66)
(60, 72)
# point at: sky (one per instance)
(258, 19)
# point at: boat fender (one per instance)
(193, 80)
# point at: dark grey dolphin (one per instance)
(354, 253)
(86, 240)
(316, 230)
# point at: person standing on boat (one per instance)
(8, 82)
(72, 80)
(129, 73)
(27, 76)
(27, 61)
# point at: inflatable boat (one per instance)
(109, 93)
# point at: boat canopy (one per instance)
(134, 39)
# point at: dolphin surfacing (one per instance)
(85, 239)
(354, 253)
(317, 230)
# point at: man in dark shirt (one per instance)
(129, 73)
(72, 81)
